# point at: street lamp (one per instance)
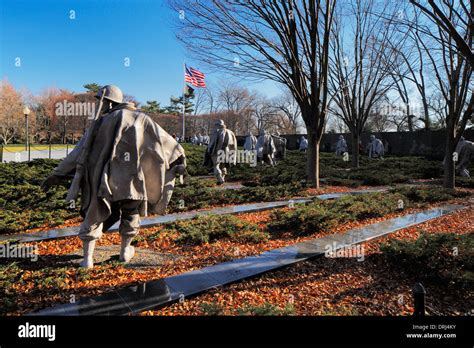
(26, 112)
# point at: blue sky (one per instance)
(56, 51)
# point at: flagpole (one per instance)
(184, 97)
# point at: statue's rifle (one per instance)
(84, 153)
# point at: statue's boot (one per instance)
(127, 251)
(224, 173)
(219, 175)
(465, 173)
(88, 247)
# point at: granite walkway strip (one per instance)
(145, 296)
(158, 220)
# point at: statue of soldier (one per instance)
(375, 149)
(250, 142)
(303, 147)
(465, 151)
(125, 166)
(205, 140)
(280, 146)
(265, 148)
(221, 151)
(341, 146)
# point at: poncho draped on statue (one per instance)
(265, 145)
(250, 142)
(221, 140)
(280, 146)
(303, 144)
(341, 146)
(130, 158)
(376, 148)
(465, 150)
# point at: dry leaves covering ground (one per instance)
(322, 286)
(338, 286)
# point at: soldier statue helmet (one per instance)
(219, 124)
(111, 93)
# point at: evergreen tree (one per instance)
(176, 106)
(92, 87)
(152, 106)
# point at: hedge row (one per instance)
(304, 219)
(445, 258)
(323, 215)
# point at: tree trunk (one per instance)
(64, 131)
(426, 115)
(355, 149)
(313, 159)
(449, 170)
(409, 119)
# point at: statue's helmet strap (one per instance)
(112, 93)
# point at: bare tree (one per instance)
(78, 123)
(237, 101)
(11, 119)
(380, 117)
(194, 124)
(234, 97)
(210, 99)
(131, 99)
(453, 76)
(399, 117)
(404, 95)
(56, 118)
(264, 115)
(284, 41)
(362, 79)
(412, 68)
(210, 107)
(455, 20)
(288, 112)
(200, 100)
(438, 108)
(335, 124)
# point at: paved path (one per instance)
(145, 296)
(22, 156)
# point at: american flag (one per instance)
(194, 77)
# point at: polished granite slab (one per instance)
(153, 221)
(158, 220)
(138, 298)
(337, 195)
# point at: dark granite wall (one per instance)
(419, 143)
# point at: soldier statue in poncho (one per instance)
(265, 148)
(125, 166)
(250, 142)
(465, 151)
(303, 146)
(375, 149)
(280, 146)
(221, 151)
(341, 146)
